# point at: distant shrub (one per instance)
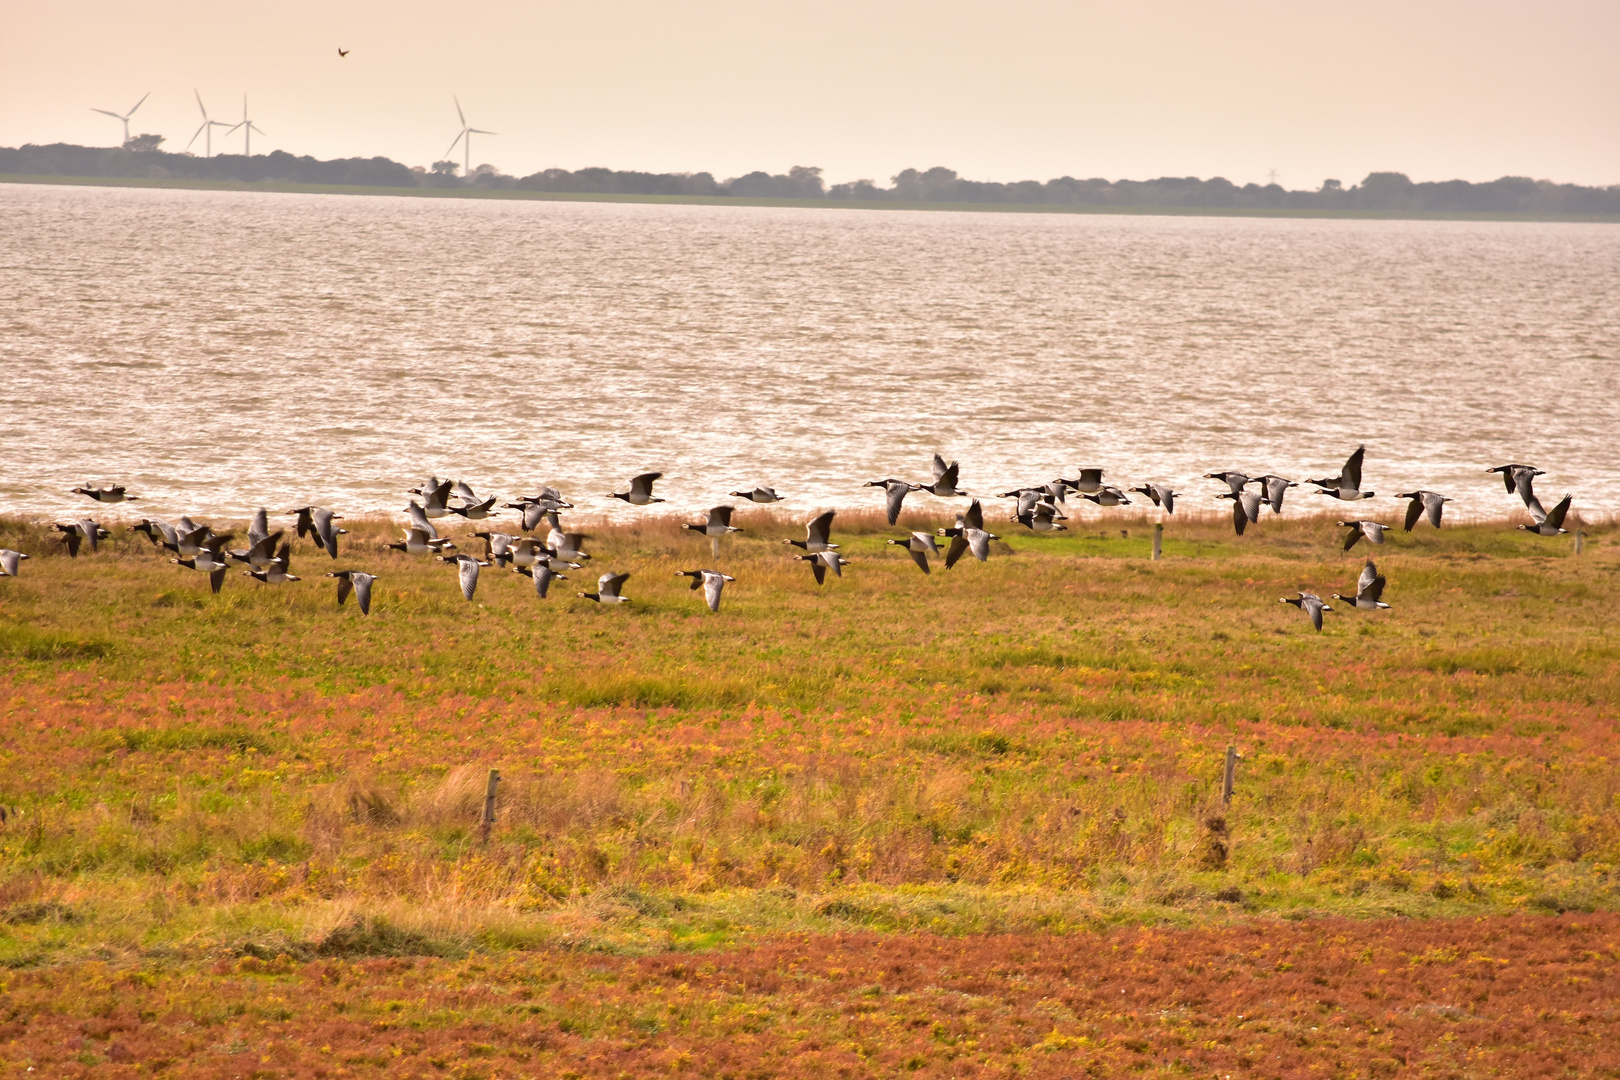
(26, 643)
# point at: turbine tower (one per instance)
(124, 116)
(465, 137)
(248, 128)
(206, 130)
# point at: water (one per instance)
(218, 351)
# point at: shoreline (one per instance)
(287, 188)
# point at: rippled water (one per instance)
(217, 350)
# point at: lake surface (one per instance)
(218, 351)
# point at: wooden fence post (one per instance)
(489, 802)
(1158, 541)
(1579, 536)
(1231, 774)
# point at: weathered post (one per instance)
(489, 803)
(1579, 536)
(1231, 774)
(1158, 541)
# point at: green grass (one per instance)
(1030, 744)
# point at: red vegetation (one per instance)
(1511, 997)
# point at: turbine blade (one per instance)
(136, 106)
(199, 102)
(481, 131)
(459, 113)
(194, 135)
(457, 139)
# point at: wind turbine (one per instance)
(206, 130)
(465, 137)
(124, 116)
(248, 128)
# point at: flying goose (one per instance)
(1347, 485)
(1235, 481)
(822, 561)
(542, 574)
(418, 542)
(1088, 483)
(896, 492)
(1423, 502)
(640, 493)
(1372, 530)
(758, 495)
(919, 545)
(1552, 524)
(80, 532)
(568, 545)
(498, 546)
(1107, 495)
(534, 512)
(1272, 490)
(317, 521)
(1160, 494)
(719, 523)
(357, 582)
(1511, 475)
(817, 533)
(261, 553)
(969, 534)
(192, 538)
(9, 561)
(712, 581)
(279, 569)
(468, 567)
(1369, 587)
(160, 533)
(944, 484)
(1245, 507)
(209, 561)
(528, 551)
(1042, 517)
(607, 589)
(1310, 604)
(105, 495)
(476, 511)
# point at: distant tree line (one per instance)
(1380, 191)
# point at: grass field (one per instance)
(261, 796)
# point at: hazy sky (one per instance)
(1006, 90)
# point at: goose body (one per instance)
(475, 511)
(160, 533)
(418, 542)
(1423, 503)
(1310, 604)
(1369, 588)
(1089, 482)
(1515, 475)
(968, 535)
(1042, 517)
(192, 538)
(567, 545)
(498, 547)
(357, 582)
(1272, 490)
(10, 561)
(944, 484)
(718, 523)
(640, 493)
(83, 531)
(1235, 481)
(1347, 485)
(713, 583)
(817, 533)
(758, 495)
(1245, 507)
(420, 521)
(1107, 495)
(435, 500)
(106, 495)
(467, 571)
(279, 569)
(1372, 530)
(607, 589)
(207, 561)
(261, 553)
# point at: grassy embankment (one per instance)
(813, 204)
(1032, 744)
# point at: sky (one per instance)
(1010, 90)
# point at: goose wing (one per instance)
(1369, 574)
(819, 568)
(819, 528)
(1240, 517)
(940, 468)
(713, 585)
(1370, 590)
(362, 590)
(542, 574)
(1353, 535)
(1350, 477)
(641, 486)
(9, 561)
(721, 516)
(345, 587)
(974, 518)
(978, 543)
(919, 557)
(1555, 516)
(419, 520)
(1414, 510)
(469, 576)
(465, 492)
(260, 527)
(610, 584)
(895, 494)
(925, 540)
(958, 548)
(1524, 484)
(216, 578)
(1166, 496)
(1251, 504)
(1434, 505)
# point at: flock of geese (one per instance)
(545, 558)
